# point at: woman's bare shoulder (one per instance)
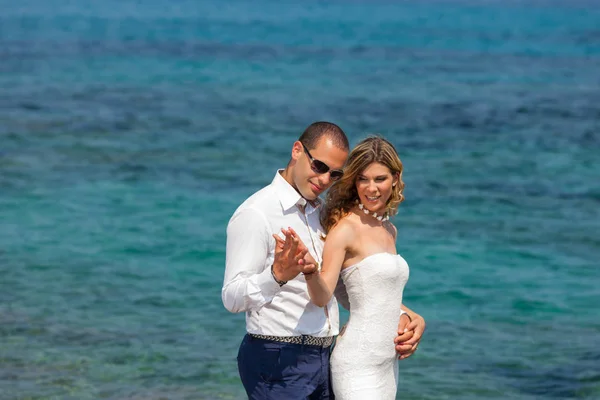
(391, 228)
(344, 230)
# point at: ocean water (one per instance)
(130, 131)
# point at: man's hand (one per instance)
(291, 256)
(409, 335)
(279, 243)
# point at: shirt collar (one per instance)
(289, 197)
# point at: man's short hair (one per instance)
(315, 131)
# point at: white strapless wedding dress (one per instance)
(364, 363)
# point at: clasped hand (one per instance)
(409, 335)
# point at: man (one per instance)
(285, 354)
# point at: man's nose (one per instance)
(325, 180)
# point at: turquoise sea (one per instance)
(131, 130)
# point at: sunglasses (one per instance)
(321, 168)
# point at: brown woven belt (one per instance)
(304, 339)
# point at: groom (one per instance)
(285, 353)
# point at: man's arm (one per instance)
(248, 285)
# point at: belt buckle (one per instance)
(305, 340)
(314, 340)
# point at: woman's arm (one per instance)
(321, 286)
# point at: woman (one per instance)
(360, 246)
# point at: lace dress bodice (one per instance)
(364, 363)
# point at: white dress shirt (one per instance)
(249, 286)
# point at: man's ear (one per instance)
(297, 150)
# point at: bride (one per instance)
(360, 248)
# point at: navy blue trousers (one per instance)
(274, 370)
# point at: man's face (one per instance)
(309, 183)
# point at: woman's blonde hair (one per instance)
(342, 195)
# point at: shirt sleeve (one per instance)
(341, 294)
(248, 283)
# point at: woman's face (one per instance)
(374, 186)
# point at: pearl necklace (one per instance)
(383, 217)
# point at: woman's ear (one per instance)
(396, 179)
